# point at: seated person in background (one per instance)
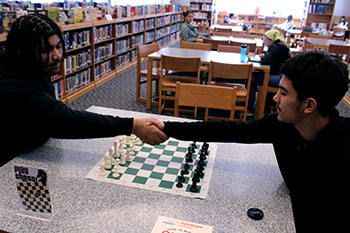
(231, 19)
(30, 112)
(343, 25)
(288, 24)
(189, 32)
(311, 141)
(277, 53)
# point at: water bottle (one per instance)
(243, 52)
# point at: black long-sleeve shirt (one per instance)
(30, 114)
(277, 53)
(316, 173)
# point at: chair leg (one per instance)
(138, 83)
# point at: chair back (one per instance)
(223, 34)
(181, 37)
(252, 46)
(227, 30)
(339, 33)
(230, 71)
(205, 96)
(339, 49)
(320, 36)
(230, 48)
(203, 28)
(195, 45)
(143, 51)
(215, 43)
(184, 64)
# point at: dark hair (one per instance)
(290, 16)
(230, 15)
(25, 39)
(318, 75)
(186, 13)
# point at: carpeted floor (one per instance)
(120, 93)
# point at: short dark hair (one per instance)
(25, 38)
(186, 13)
(231, 14)
(318, 75)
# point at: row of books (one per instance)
(320, 1)
(200, 15)
(76, 39)
(103, 33)
(149, 37)
(206, 1)
(78, 80)
(103, 52)
(123, 45)
(202, 7)
(319, 9)
(78, 61)
(137, 40)
(103, 68)
(149, 23)
(122, 60)
(162, 32)
(128, 11)
(138, 26)
(161, 21)
(176, 18)
(122, 29)
(59, 88)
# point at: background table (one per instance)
(244, 176)
(206, 57)
(319, 43)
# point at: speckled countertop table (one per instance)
(244, 176)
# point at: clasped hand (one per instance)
(149, 130)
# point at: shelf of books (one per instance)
(203, 11)
(97, 51)
(320, 13)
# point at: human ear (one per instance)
(310, 105)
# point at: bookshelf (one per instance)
(321, 12)
(203, 11)
(98, 51)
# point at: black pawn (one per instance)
(189, 158)
(181, 178)
(201, 163)
(179, 184)
(184, 172)
(194, 187)
(196, 177)
(187, 166)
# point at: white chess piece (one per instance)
(128, 140)
(115, 142)
(115, 171)
(102, 169)
(138, 142)
(107, 162)
(122, 159)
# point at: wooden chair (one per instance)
(340, 32)
(215, 43)
(195, 45)
(341, 51)
(227, 34)
(233, 73)
(205, 96)
(167, 82)
(230, 49)
(270, 107)
(252, 46)
(142, 52)
(203, 28)
(320, 36)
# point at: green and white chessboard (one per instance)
(157, 168)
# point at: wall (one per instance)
(182, 2)
(342, 7)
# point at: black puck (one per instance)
(255, 214)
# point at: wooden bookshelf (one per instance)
(105, 51)
(320, 11)
(203, 11)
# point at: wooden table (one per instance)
(244, 176)
(206, 57)
(319, 43)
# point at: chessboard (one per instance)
(176, 167)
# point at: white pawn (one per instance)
(115, 142)
(128, 140)
(122, 159)
(102, 170)
(138, 142)
(107, 162)
(115, 174)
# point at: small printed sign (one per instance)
(33, 190)
(171, 225)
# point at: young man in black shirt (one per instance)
(30, 113)
(310, 139)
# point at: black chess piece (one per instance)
(193, 145)
(189, 158)
(184, 171)
(196, 177)
(201, 163)
(194, 187)
(187, 166)
(203, 152)
(199, 170)
(202, 157)
(179, 184)
(181, 178)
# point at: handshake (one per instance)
(149, 130)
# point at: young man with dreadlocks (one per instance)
(310, 139)
(30, 112)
